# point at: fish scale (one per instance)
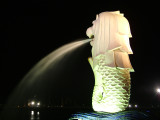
(114, 91)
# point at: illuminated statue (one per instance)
(110, 61)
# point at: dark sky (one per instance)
(31, 29)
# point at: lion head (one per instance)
(110, 31)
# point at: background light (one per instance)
(158, 90)
(32, 102)
(38, 104)
(37, 113)
(32, 112)
(135, 106)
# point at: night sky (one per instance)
(31, 29)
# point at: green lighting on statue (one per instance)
(112, 88)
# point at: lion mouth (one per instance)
(92, 36)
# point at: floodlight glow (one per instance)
(37, 113)
(38, 104)
(158, 90)
(110, 62)
(32, 102)
(129, 106)
(32, 112)
(135, 106)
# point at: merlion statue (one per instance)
(110, 61)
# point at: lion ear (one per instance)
(96, 16)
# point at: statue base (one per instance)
(124, 115)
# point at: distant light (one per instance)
(158, 90)
(135, 106)
(38, 104)
(32, 102)
(32, 112)
(37, 113)
(129, 106)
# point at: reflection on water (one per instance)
(124, 115)
(35, 115)
(71, 114)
